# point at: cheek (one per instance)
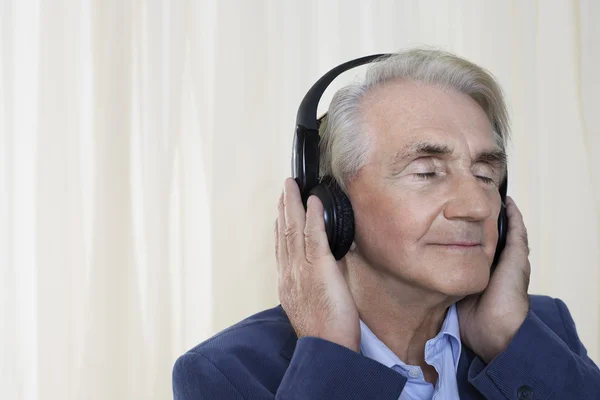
(414, 218)
(491, 230)
(393, 225)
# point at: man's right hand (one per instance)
(312, 289)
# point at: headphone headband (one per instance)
(307, 112)
(305, 152)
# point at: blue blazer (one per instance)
(262, 358)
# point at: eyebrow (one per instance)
(495, 157)
(420, 149)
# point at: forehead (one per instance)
(400, 112)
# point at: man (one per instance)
(412, 311)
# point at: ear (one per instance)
(353, 246)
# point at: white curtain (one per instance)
(144, 143)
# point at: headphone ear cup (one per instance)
(502, 233)
(338, 216)
(344, 225)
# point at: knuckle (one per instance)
(312, 244)
(525, 240)
(285, 201)
(290, 233)
(312, 240)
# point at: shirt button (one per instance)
(525, 393)
(413, 373)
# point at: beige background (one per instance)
(143, 146)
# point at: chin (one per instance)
(461, 280)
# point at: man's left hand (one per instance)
(490, 319)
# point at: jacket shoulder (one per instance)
(246, 354)
(265, 330)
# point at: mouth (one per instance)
(459, 245)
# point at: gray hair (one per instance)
(343, 144)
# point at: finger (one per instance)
(517, 232)
(315, 236)
(295, 219)
(282, 255)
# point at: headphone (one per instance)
(338, 214)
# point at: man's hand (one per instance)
(312, 290)
(489, 320)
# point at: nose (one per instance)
(469, 200)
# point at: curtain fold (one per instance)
(144, 144)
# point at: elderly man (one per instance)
(412, 310)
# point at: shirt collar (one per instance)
(374, 348)
(450, 327)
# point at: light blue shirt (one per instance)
(441, 352)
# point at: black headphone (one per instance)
(338, 214)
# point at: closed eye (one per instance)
(485, 179)
(429, 175)
(425, 175)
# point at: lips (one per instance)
(460, 244)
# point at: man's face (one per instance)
(437, 231)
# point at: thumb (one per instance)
(516, 238)
(315, 237)
(514, 265)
